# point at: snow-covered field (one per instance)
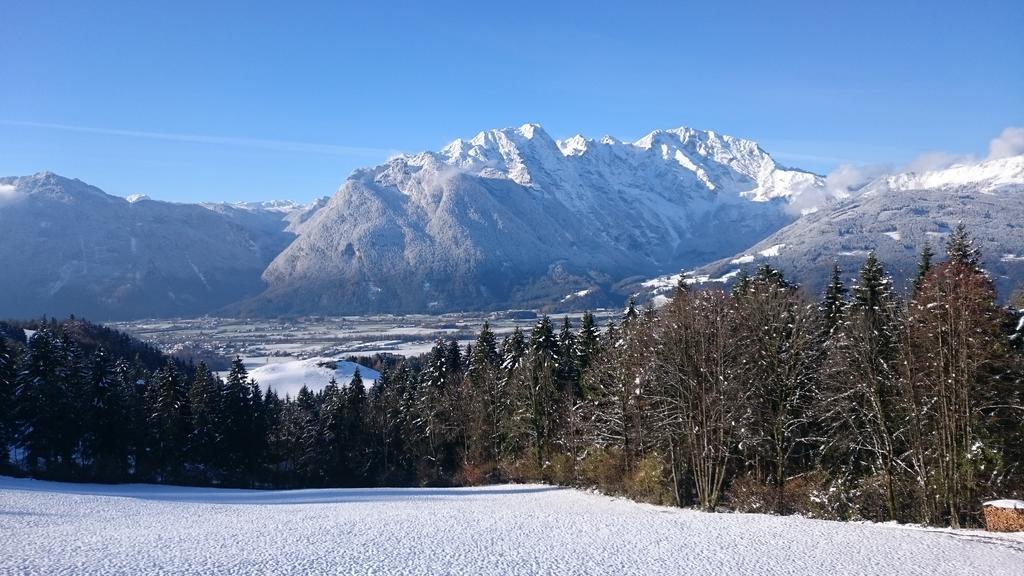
(287, 378)
(54, 529)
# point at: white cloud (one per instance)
(848, 178)
(936, 161)
(8, 192)
(842, 182)
(1009, 143)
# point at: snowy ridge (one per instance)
(528, 156)
(983, 176)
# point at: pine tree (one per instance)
(256, 447)
(835, 300)
(960, 248)
(485, 399)
(71, 430)
(568, 361)
(631, 312)
(205, 413)
(873, 291)
(355, 422)
(236, 421)
(435, 410)
(742, 285)
(132, 386)
(7, 398)
(168, 421)
(924, 264)
(333, 431)
(106, 442)
(588, 341)
(863, 399)
(766, 274)
(542, 338)
(42, 402)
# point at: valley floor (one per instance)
(54, 529)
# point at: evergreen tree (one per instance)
(333, 439)
(106, 441)
(542, 338)
(204, 400)
(7, 413)
(302, 438)
(73, 377)
(256, 447)
(568, 361)
(168, 422)
(485, 399)
(960, 248)
(42, 403)
(873, 291)
(236, 422)
(924, 264)
(631, 312)
(863, 399)
(835, 299)
(741, 287)
(588, 343)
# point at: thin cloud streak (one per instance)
(258, 143)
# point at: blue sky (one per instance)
(229, 100)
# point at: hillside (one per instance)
(69, 248)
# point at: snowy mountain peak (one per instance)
(54, 186)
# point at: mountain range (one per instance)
(511, 218)
(514, 218)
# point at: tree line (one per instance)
(867, 403)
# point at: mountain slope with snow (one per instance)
(513, 217)
(896, 216)
(67, 247)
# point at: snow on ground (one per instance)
(55, 529)
(660, 282)
(579, 294)
(287, 378)
(1015, 504)
(772, 251)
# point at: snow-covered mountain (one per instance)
(513, 217)
(896, 215)
(67, 247)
